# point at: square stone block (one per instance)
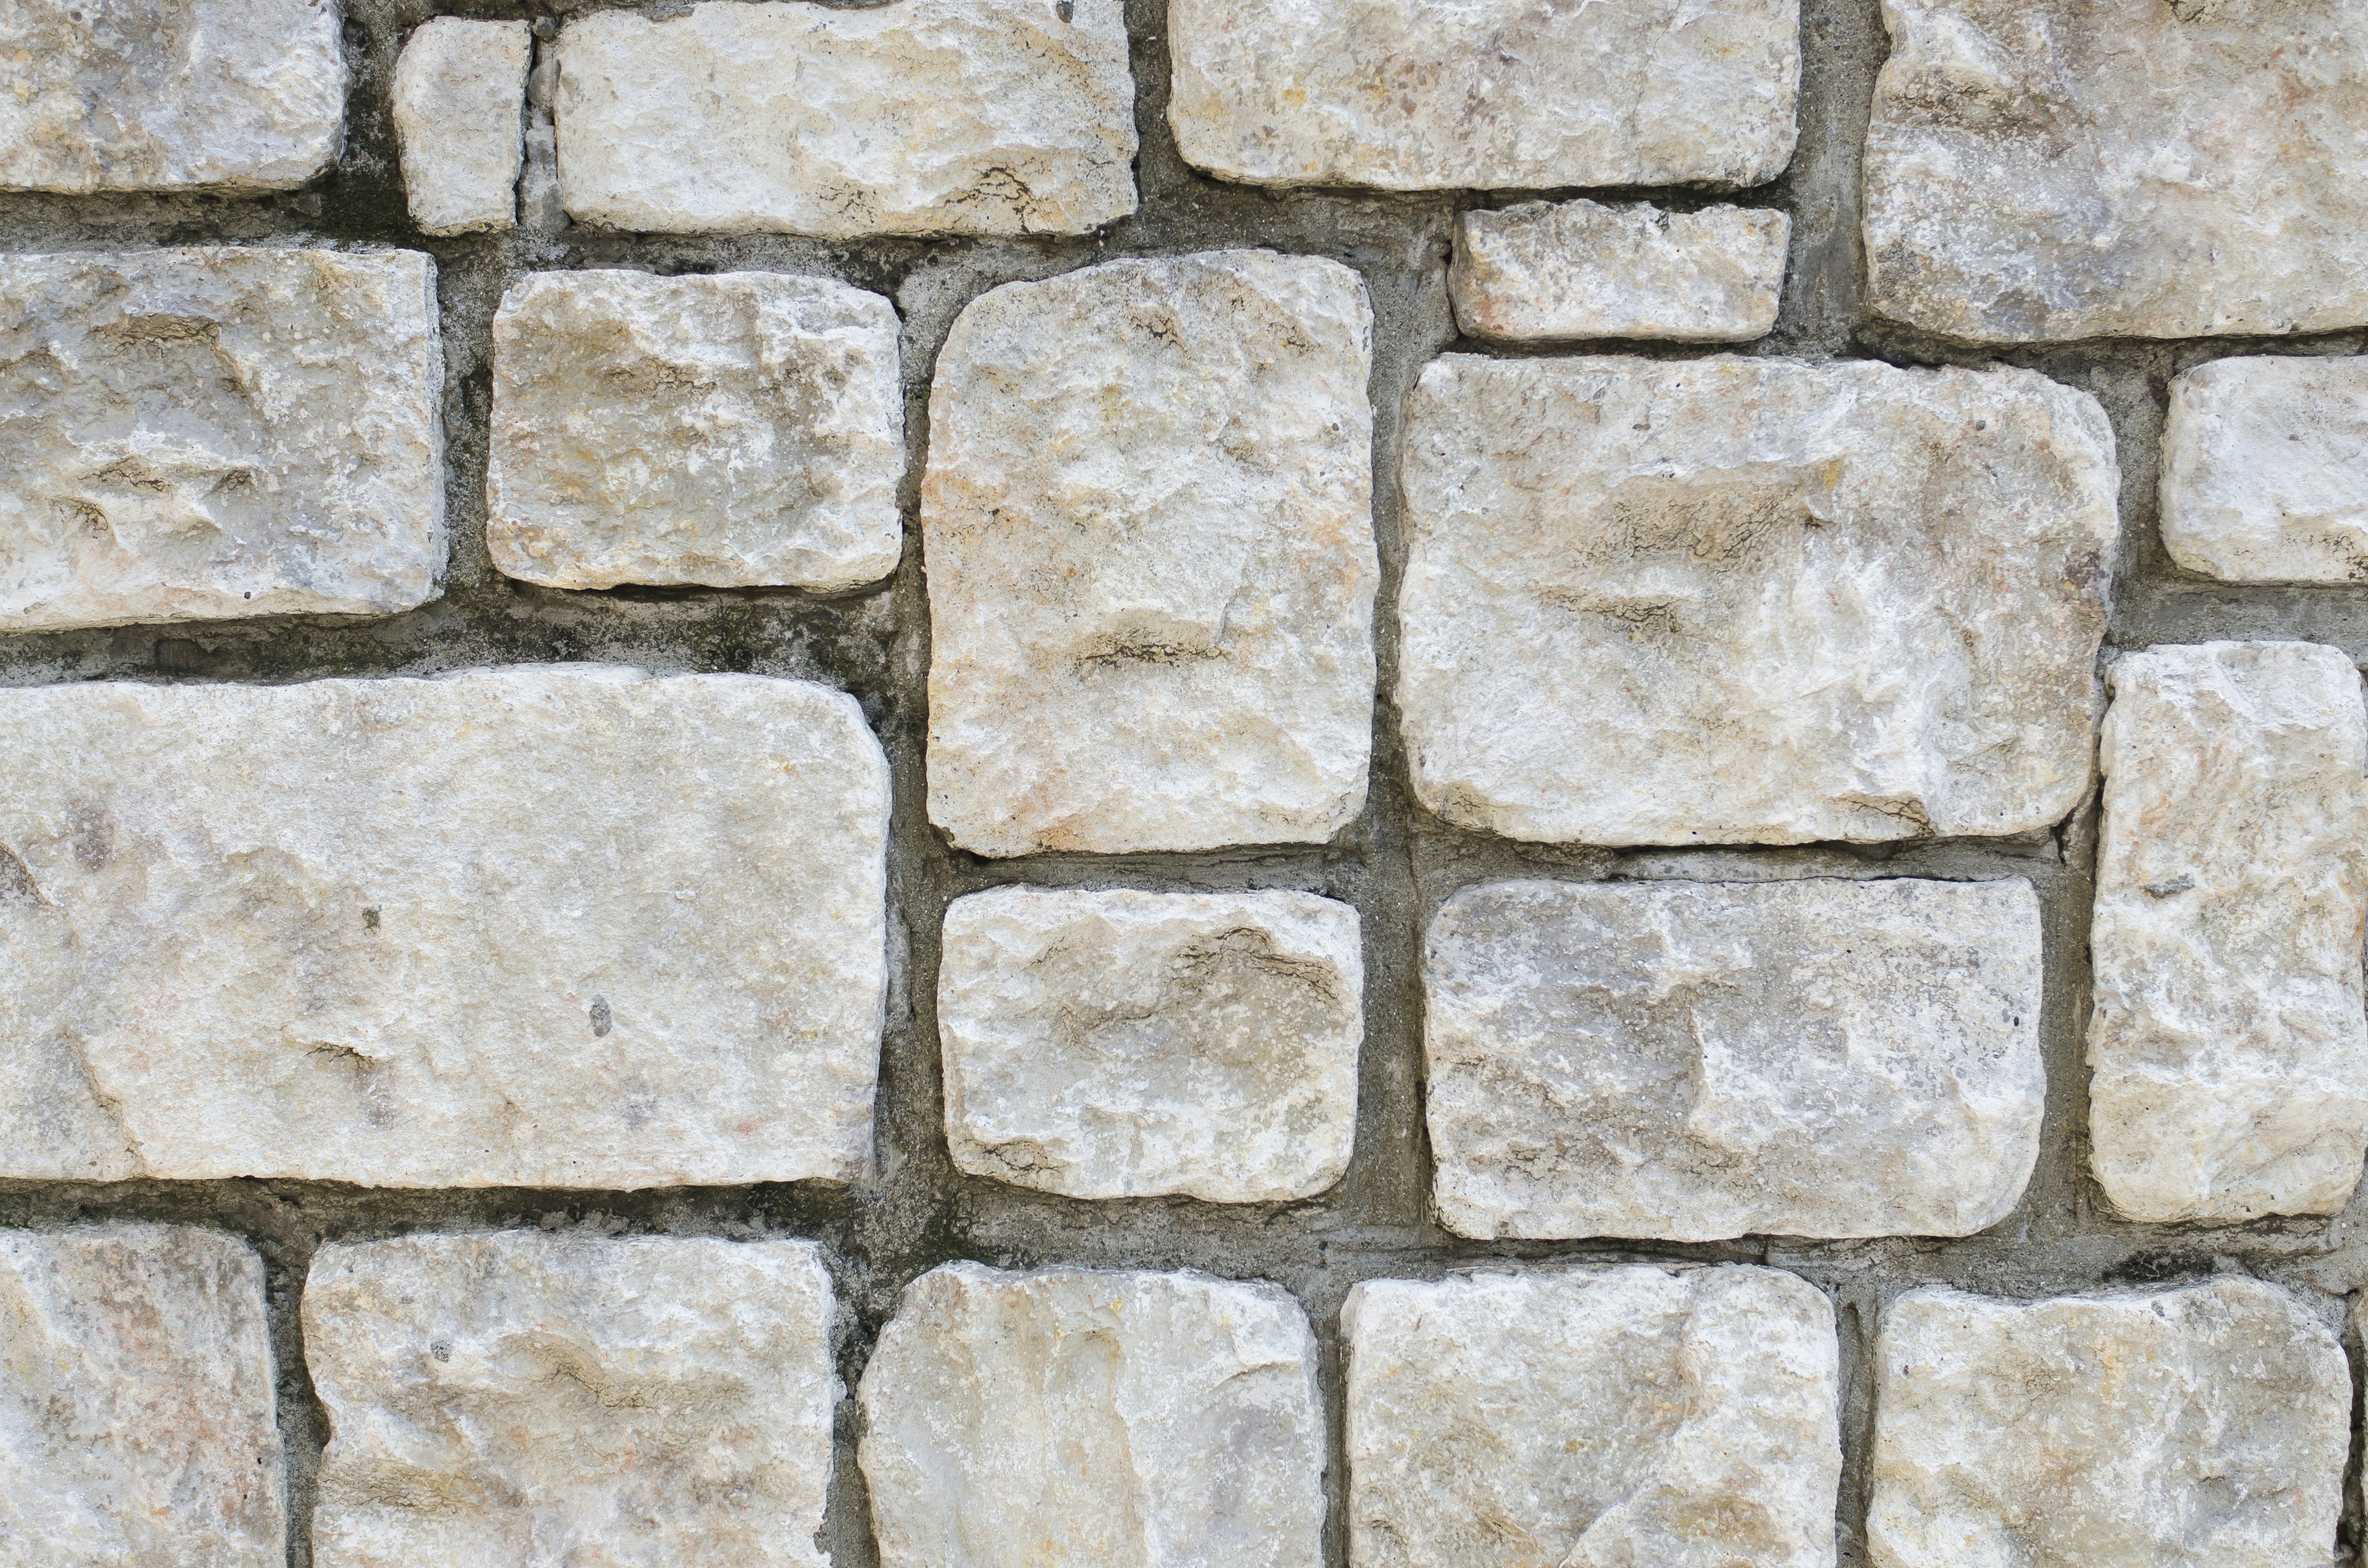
(460, 120)
(2265, 469)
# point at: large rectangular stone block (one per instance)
(553, 925)
(1751, 601)
(2265, 469)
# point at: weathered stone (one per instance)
(1135, 1044)
(566, 926)
(2265, 470)
(2229, 1052)
(737, 429)
(1148, 531)
(1410, 95)
(926, 117)
(188, 434)
(1731, 600)
(2042, 169)
(137, 1427)
(523, 1400)
(1693, 1061)
(1592, 1418)
(2204, 1424)
(1075, 1416)
(459, 118)
(1575, 269)
(155, 94)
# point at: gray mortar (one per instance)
(1395, 864)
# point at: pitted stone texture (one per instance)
(926, 117)
(1592, 1418)
(1751, 601)
(1147, 527)
(137, 1429)
(459, 118)
(566, 926)
(1136, 1044)
(1694, 1060)
(2227, 1051)
(2194, 1427)
(1104, 1420)
(530, 1400)
(1406, 95)
(1575, 269)
(2042, 169)
(163, 94)
(2265, 470)
(737, 429)
(190, 435)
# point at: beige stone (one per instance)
(1729, 600)
(460, 118)
(1578, 269)
(2265, 469)
(735, 429)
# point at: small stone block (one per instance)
(1579, 269)
(460, 118)
(2265, 470)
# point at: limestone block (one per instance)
(738, 429)
(1592, 1418)
(2044, 169)
(459, 118)
(190, 435)
(2227, 1049)
(1694, 1060)
(1751, 601)
(2202, 1424)
(1572, 269)
(1135, 1044)
(161, 95)
(529, 1401)
(1147, 525)
(137, 1427)
(559, 926)
(1091, 1418)
(1406, 95)
(2265, 470)
(924, 117)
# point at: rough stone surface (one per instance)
(1694, 1060)
(1592, 1418)
(737, 430)
(563, 925)
(459, 117)
(1410, 95)
(2046, 169)
(1751, 600)
(2265, 470)
(524, 1401)
(1575, 269)
(2201, 1425)
(159, 95)
(2229, 1052)
(136, 1420)
(188, 434)
(926, 117)
(1076, 1416)
(1136, 1044)
(1146, 522)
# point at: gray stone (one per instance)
(560, 925)
(926, 116)
(1136, 1044)
(530, 1400)
(459, 118)
(735, 430)
(1575, 269)
(1751, 601)
(1094, 1420)
(1592, 1418)
(1147, 527)
(2227, 1051)
(2265, 470)
(188, 434)
(1410, 95)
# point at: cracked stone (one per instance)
(460, 118)
(1129, 1044)
(1751, 600)
(1579, 269)
(2265, 470)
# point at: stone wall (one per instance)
(1182, 781)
